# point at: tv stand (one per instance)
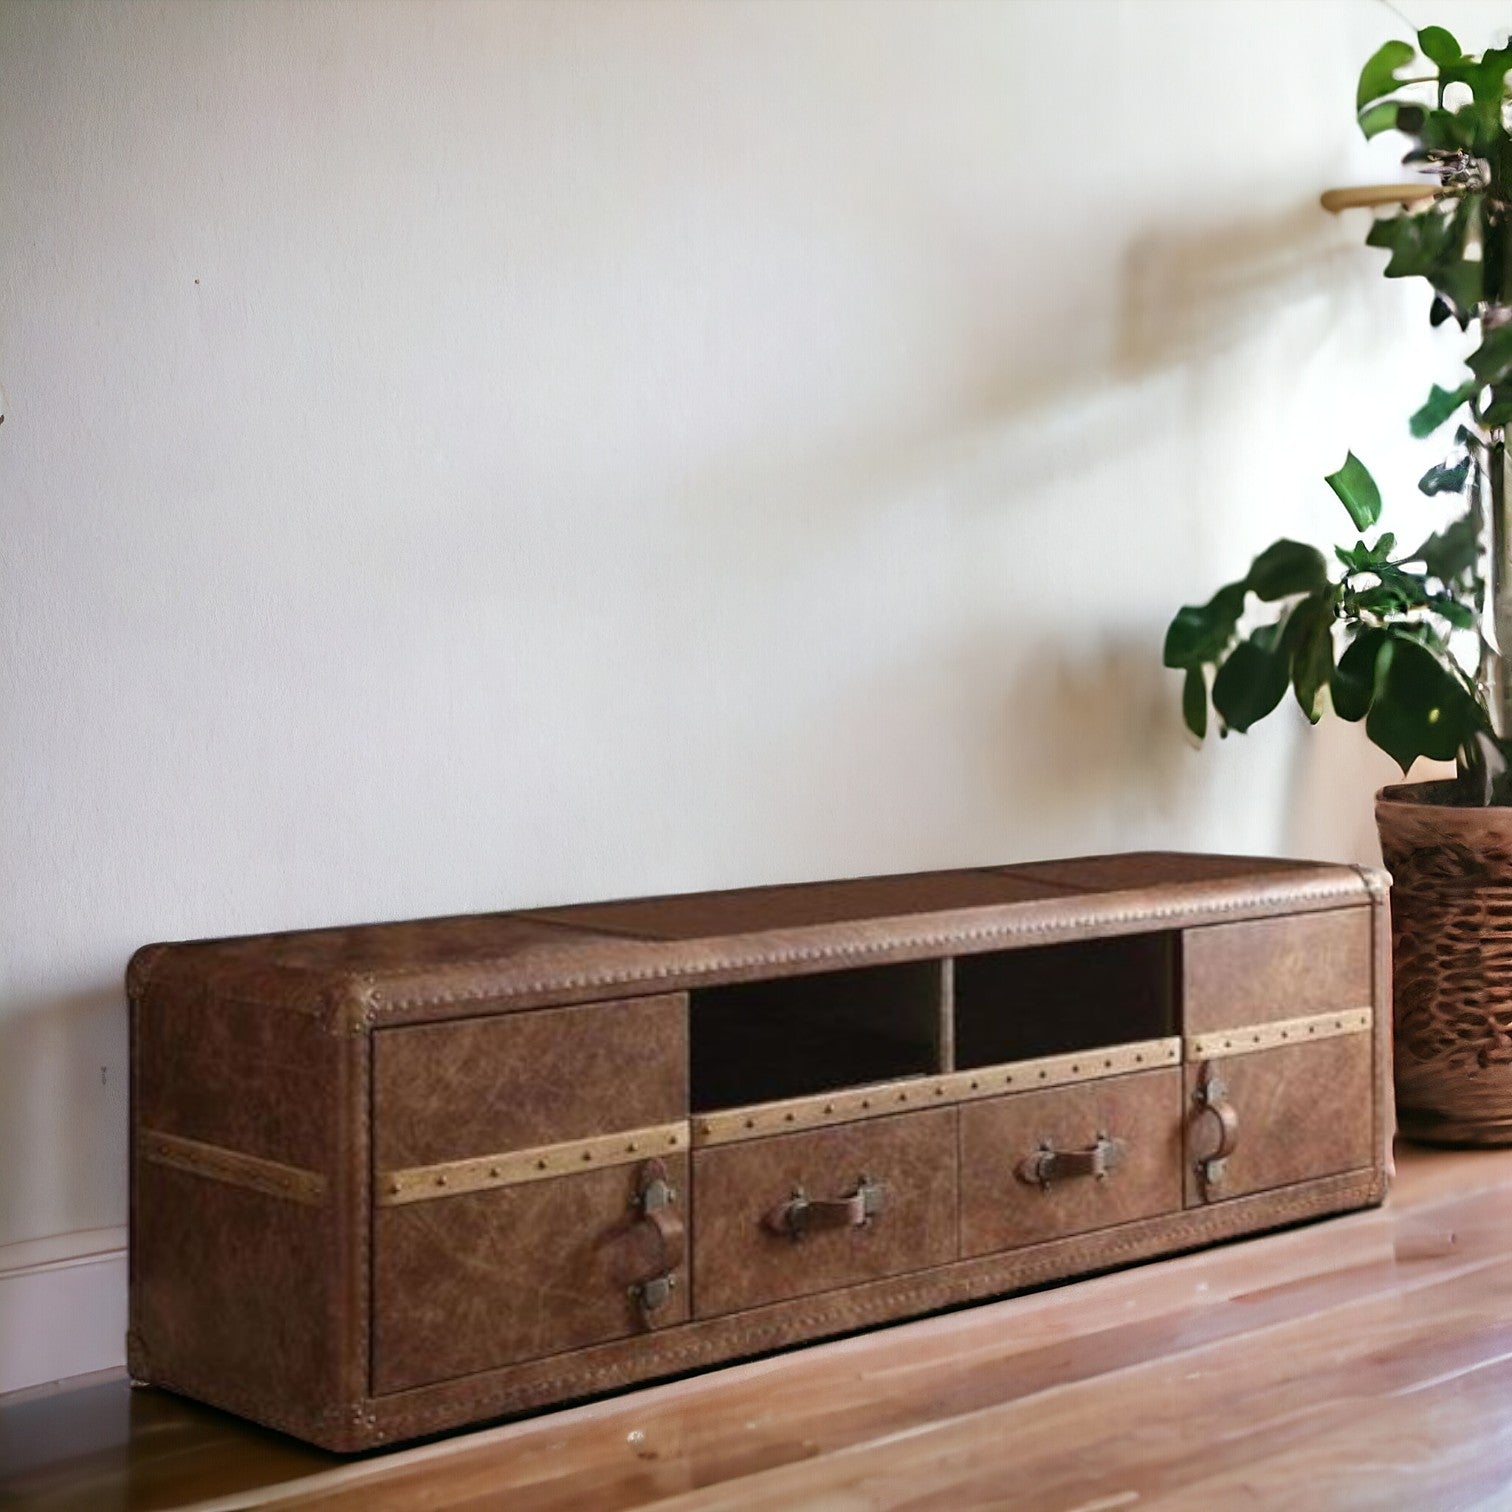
(397, 1178)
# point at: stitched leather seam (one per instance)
(376, 1420)
(948, 1285)
(363, 1154)
(385, 1005)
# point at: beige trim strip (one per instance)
(1245, 1038)
(760, 1119)
(216, 1163)
(1058, 1070)
(452, 1178)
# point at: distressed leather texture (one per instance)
(739, 1262)
(367, 975)
(232, 1074)
(999, 1209)
(482, 1086)
(1269, 969)
(481, 1280)
(345, 1053)
(1304, 1111)
(758, 909)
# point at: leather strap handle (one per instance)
(802, 1214)
(654, 1197)
(1213, 1105)
(1048, 1165)
(671, 1235)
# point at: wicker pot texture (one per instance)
(1451, 924)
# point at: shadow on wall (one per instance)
(1187, 296)
(1193, 294)
(1109, 719)
(1103, 725)
(1106, 716)
(64, 1113)
(1048, 406)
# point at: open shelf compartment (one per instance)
(755, 1042)
(1048, 1000)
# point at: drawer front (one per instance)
(1261, 970)
(1279, 1116)
(485, 1278)
(756, 1240)
(1030, 1161)
(511, 1081)
(517, 1210)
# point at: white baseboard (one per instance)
(62, 1307)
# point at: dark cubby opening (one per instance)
(761, 1041)
(1056, 999)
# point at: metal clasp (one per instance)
(1211, 1098)
(653, 1198)
(801, 1214)
(655, 1293)
(1048, 1164)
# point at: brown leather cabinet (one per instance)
(393, 1179)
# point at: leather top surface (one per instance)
(579, 952)
(749, 910)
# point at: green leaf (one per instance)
(1410, 118)
(1414, 238)
(1439, 46)
(1309, 642)
(1354, 679)
(1251, 682)
(1194, 702)
(1357, 491)
(1363, 557)
(1390, 598)
(1461, 616)
(1285, 568)
(1409, 587)
(1439, 130)
(1486, 76)
(1499, 411)
(1491, 361)
(1439, 406)
(1445, 477)
(1378, 118)
(1451, 552)
(1459, 278)
(1480, 127)
(1378, 77)
(1421, 708)
(1199, 633)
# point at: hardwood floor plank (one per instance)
(1363, 1362)
(1154, 1428)
(797, 1408)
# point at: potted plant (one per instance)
(1412, 641)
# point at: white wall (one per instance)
(463, 455)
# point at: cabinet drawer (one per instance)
(1279, 1116)
(476, 1087)
(529, 1178)
(755, 1241)
(1261, 970)
(1029, 1161)
(487, 1278)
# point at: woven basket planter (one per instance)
(1451, 916)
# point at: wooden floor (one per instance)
(1361, 1362)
